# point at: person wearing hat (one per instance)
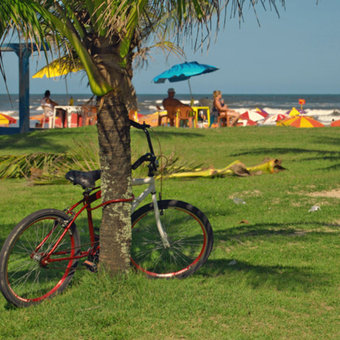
(171, 100)
(171, 103)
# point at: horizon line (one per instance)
(197, 94)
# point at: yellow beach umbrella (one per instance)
(293, 112)
(57, 68)
(300, 122)
(6, 120)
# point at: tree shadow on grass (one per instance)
(43, 141)
(331, 156)
(175, 133)
(274, 229)
(292, 278)
(282, 277)
(281, 151)
(327, 140)
(335, 167)
(25, 142)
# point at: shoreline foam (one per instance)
(324, 108)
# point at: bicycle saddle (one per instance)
(87, 179)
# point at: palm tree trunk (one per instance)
(115, 157)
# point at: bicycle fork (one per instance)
(162, 233)
(151, 189)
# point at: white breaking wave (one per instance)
(323, 108)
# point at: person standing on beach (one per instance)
(48, 106)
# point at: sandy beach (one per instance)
(324, 108)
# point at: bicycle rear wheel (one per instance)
(25, 278)
(189, 233)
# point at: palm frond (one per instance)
(41, 167)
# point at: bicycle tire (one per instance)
(24, 279)
(190, 236)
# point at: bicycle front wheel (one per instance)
(26, 275)
(189, 234)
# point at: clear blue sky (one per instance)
(297, 53)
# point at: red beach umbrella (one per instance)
(246, 122)
(301, 122)
(275, 118)
(262, 112)
(250, 122)
(6, 120)
(336, 123)
(252, 115)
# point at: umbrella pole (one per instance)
(192, 99)
(66, 87)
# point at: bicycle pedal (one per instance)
(91, 266)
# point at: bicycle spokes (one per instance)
(32, 270)
(187, 236)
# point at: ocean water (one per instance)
(322, 107)
(325, 108)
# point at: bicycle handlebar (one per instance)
(148, 157)
(139, 126)
(144, 127)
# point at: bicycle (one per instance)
(170, 238)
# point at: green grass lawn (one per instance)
(274, 269)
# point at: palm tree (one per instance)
(104, 36)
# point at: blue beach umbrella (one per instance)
(184, 71)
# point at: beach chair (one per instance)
(169, 118)
(48, 116)
(163, 119)
(176, 114)
(223, 120)
(186, 115)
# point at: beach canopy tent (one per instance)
(23, 51)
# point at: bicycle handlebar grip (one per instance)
(138, 162)
(139, 126)
(148, 157)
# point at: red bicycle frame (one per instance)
(86, 201)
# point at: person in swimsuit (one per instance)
(221, 109)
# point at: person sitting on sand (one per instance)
(221, 109)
